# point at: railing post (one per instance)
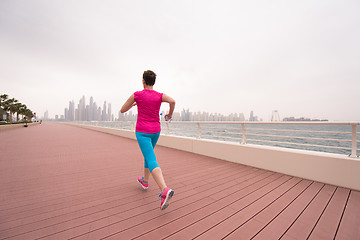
(132, 126)
(167, 128)
(199, 130)
(243, 141)
(354, 143)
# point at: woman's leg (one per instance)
(159, 178)
(147, 142)
(146, 174)
(156, 172)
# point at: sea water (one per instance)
(321, 137)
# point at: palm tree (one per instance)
(3, 98)
(22, 110)
(28, 114)
(17, 107)
(10, 106)
(6, 105)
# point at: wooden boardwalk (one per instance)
(63, 182)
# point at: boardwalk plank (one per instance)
(327, 226)
(350, 225)
(239, 218)
(303, 226)
(268, 224)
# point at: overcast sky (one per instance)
(301, 58)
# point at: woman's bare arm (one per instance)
(166, 98)
(128, 104)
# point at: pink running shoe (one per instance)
(142, 183)
(165, 197)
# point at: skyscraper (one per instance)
(91, 107)
(109, 113)
(46, 115)
(71, 113)
(103, 116)
(81, 107)
(95, 115)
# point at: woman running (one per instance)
(148, 129)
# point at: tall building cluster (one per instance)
(90, 112)
(93, 112)
(186, 115)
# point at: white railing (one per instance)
(335, 137)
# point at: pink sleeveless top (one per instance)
(148, 104)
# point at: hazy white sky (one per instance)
(301, 58)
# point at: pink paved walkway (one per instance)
(64, 182)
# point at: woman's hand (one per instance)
(166, 98)
(168, 117)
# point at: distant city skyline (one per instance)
(92, 112)
(187, 115)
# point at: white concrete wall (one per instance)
(334, 169)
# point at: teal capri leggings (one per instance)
(147, 142)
